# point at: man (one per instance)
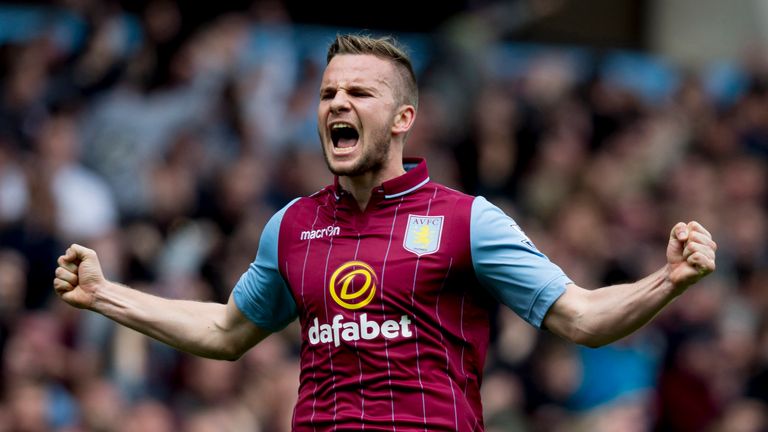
(390, 274)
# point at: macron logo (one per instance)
(320, 233)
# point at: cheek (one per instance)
(379, 117)
(321, 113)
(321, 119)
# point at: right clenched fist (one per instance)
(78, 276)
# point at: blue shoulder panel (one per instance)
(261, 294)
(509, 265)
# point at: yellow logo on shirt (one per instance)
(350, 282)
(421, 236)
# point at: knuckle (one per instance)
(696, 258)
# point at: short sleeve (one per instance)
(510, 267)
(261, 294)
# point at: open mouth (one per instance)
(344, 135)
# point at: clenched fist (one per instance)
(78, 276)
(690, 254)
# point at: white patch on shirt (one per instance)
(525, 239)
(422, 234)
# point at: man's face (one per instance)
(356, 113)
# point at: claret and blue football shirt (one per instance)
(393, 301)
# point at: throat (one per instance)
(360, 189)
(362, 202)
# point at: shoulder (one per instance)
(302, 214)
(448, 191)
(443, 199)
(442, 192)
(454, 205)
(299, 206)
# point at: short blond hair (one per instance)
(385, 47)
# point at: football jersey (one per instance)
(393, 300)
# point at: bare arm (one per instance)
(598, 317)
(210, 330)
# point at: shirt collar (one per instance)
(416, 176)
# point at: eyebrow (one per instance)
(352, 88)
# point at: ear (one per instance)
(404, 118)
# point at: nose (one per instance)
(340, 102)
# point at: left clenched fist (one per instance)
(690, 254)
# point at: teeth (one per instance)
(340, 126)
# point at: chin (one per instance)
(344, 169)
(342, 166)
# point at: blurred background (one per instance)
(164, 134)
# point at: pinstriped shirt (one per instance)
(393, 301)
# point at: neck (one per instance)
(362, 186)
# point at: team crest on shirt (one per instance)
(422, 235)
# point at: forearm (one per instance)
(604, 315)
(195, 327)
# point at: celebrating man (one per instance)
(390, 274)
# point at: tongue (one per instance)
(346, 142)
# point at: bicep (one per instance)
(240, 332)
(564, 316)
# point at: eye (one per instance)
(327, 95)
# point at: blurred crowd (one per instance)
(166, 147)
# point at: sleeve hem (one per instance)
(545, 297)
(249, 313)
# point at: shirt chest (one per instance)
(338, 260)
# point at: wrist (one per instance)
(676, 287)
(99, 295)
